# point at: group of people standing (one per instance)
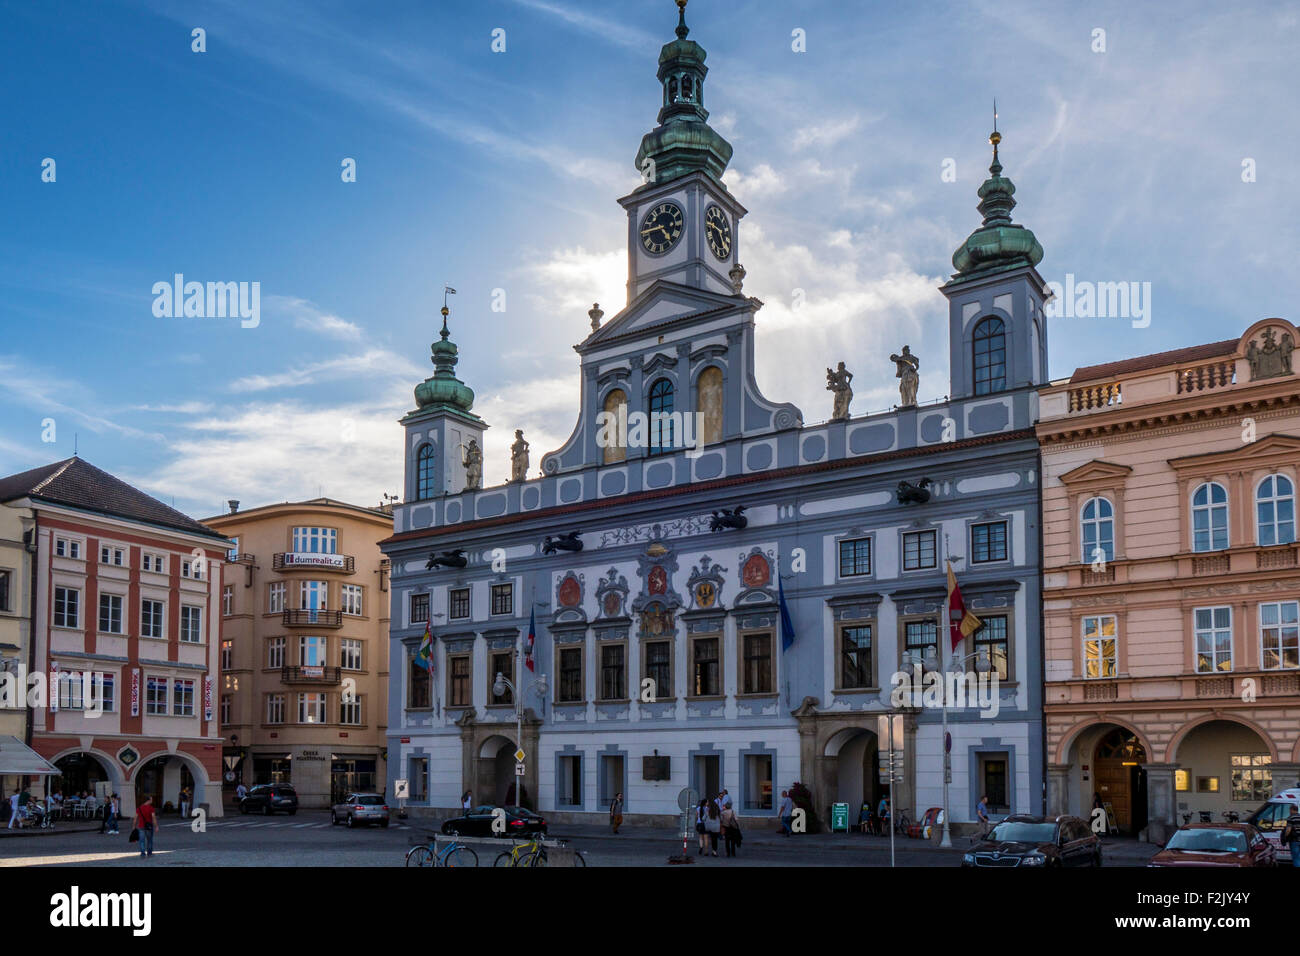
(716, 818)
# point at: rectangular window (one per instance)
(67, 548)
(613, 672)
(315, 541)
(275, 708)
(458, 604)
(419, 608)
(5, 577)
(855, 557)
(67, 607)
(856, 670)
(418, 694)
(758, 781)
(350, 654)
(110, 613)
(183, 698)
(503, 599)
(705, 668)
(311, 652)
(275, 652)
(70, 688)
(756, 678)
(1100, 647)
(313, 595)
(458, 675)
(151, 618)
(191, 624)
(227, 601)
(1252, 778)
(570, 675)
(350, 711)
(233, 553)
(501, 662)
(921, 642)
(227, 655)
(1279, 631)
(569, 782)
(225, 710)
(107, 689)
(155, 696)
(352, 599)
(919, 550)
(1213, 639)
(419, 777)
(988, 542)
(192, 569)
(275, 597)
(311, 708)
(152, 562)
(992, 645)
(659, 667)
(111, 555)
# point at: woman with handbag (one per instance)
(713, 825)
(701, 813)
(730, 830)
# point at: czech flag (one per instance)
(961, 622)
(424, 656)
(532, 638)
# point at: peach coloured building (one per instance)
(1171, 581)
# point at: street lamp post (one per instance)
(499, 687)
(982, 666)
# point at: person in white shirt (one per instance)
(13, 811)
(241, 791)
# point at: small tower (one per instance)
(997, 330)
(441, 427)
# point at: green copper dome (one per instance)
(683, 141)
(444, 389)
(998, 243)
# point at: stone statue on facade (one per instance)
(906, 366)
(519, 457)
(837, 381)
(1273, 358)
(473, 462)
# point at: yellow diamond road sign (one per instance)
(519, 754)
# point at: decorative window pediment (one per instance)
(1267, 451)
(1096, 471)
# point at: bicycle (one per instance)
(902, 823)
(532, 853)
(453, 854)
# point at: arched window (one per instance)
(708, 403)
(1275, 510)
(672, 89)
(614, 445)
(687, 86)
(662, 435)
(990, 356)
(1209, 517)
(1098, 530)
(424, 472)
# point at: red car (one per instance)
(1216, 844)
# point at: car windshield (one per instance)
(1208, 841)
(370, 800)
(1019, 832)
(520, 812)
(1271, 815)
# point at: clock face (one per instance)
(661, 228)
(717, 228)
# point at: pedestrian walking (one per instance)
(1291, 837)
(616, 812)
(13, 812)
(465, 803)
(185, 799)
(144, 823)
(883, 812)
(786, 813)
(982, 812)
(730, 830)
(702, 812)
(713, 825)
(111, 810)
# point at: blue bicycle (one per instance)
(453, 854)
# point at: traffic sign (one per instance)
(519, 769)
(520, 755)
(686, 799)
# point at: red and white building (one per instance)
(129, 591)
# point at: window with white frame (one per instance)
(275, 652)
(1210, 517)
(313, 595)
(111, 555)
(275, 708)
(1097, 530)
(1275, 511)
(227, 601)
(70, 690)
(311, 651)
(1279, 634)
(225, 709)
(86, 690)
(919, 550)
(153, 562)
(233, 553)
(110, 613)
(191, 624)
(1213, 627)
(315, 540)
(1100, 646)
(67, 548)
(350, 654)
(227, 654)
(67, 607)
(275, 597)
(350, 711)
(311, 708)
(105, 686)
(151, 618)
(351, 599)
(155, 696)
(183, 697)
(192, 568)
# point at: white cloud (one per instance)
(307, 315)
(825, 134)
(371, 361)
(762, 182)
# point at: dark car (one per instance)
(1216, 844)
(478, 822)
(360, 808)
(1023, 840)
(270, 798)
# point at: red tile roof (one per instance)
(1194, 353)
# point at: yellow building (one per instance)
(16, 534)
(304, 657)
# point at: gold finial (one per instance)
(995, 137)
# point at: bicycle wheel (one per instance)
(419, 856)
(536, 857)
(504, 859)
(579, 859)
(461, 856)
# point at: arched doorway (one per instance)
(855, 761)
(1120, 781)
(80, 771)
(1223, 765)
(163, 777)
(496, 771)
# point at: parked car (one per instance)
(1216, 844)
(1270, 820)
(360, 808)
(1024, 840)
(478, 822)
(270, 798)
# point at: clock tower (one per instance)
(682, 221)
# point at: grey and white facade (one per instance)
(661, 637)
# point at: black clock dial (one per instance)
(717, 228)
(661, 228)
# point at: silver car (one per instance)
(359, 808)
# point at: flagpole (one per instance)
(946, 841)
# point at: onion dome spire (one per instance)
(998, 243)
(444, 389)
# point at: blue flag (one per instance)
(787, 625)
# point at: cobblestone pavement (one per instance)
(309, 839)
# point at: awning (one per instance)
(17, 758)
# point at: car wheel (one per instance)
(351, 823)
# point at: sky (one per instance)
(1152, 143)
